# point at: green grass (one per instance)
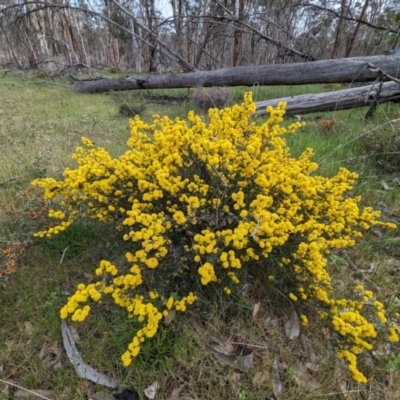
(40, 126)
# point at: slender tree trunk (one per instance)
(11, 48)
(338, 30)
(38, 34)
(237, 39)
(354, 35)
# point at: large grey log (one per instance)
(338, 100)
(339, 70)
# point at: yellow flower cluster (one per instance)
(208, 201)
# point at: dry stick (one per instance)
(380, 72)
(27, 390)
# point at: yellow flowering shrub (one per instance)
(199, 202)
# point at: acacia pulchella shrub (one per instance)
(206, 202)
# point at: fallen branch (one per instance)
(82, 369)
(339, 70)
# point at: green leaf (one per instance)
(392, 39)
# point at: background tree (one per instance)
(145, 35)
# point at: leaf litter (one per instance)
(292, 326)
(237, 356)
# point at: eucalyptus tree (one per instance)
(189, 35)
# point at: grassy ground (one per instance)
(40, 126)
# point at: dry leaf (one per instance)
(256, 309)
(304, 379)
(312, 366)
(245, 361)
(88, 276)
(277, 389)
(292, 326)
(275, 365)
(343, 388)
(198, 326)
(392, 262)
(224, 348)
(377, 232)
(82, 369)
(102, 396)
(28, 327)
(176, 392)
(151, 391)
(385, 185)
(235, 379)
(326, 333)
(259, 378)
(242, 363)
(50, 354)
(271, 323)
(170, 317)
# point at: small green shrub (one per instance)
(211, 97)
(130, 110)
(209, 202)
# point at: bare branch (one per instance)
(381, 73)
(307, 57)
(352, 19)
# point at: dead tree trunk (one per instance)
(338, 100)
(340, 70)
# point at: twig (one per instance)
(14, 179)
(381, 73)
(63, 255)
(251, 345)
(27, 390)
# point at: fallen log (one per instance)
(337, 100)
(340, 70)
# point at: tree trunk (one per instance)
(339, 70)
(237, 36)
(354, 35)
(338, 29)
(332, 101)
